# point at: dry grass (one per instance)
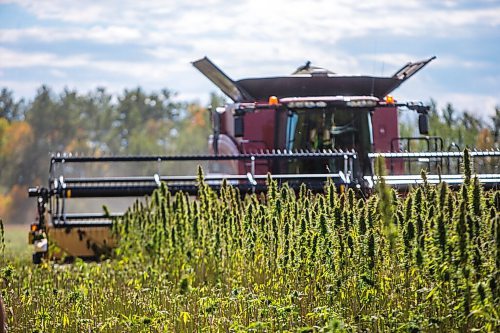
(16, 242)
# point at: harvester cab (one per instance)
(302, 128)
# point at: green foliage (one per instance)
(385, 203)
(96, 124)
(279, 262)
(459, 129)
(2, 238)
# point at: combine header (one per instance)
(302, 129)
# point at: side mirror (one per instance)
(239, 126)
(423, 124)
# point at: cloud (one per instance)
(477, 104)
(58, 74)
(447, 61)
(452, 61)
(146, 71)
(392, 59)
(317, 21)
(151, 43)
(73, 11)
(249, 37)
(13, 59)
(105, 35)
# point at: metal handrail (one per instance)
(487, 153)
(268, 154)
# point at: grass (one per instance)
(16, 242)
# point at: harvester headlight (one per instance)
(361, 103)
(309, 104)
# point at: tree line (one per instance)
(99, 123)
(459, 129)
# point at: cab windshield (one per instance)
(328, 128)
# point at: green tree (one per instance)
(146, 123)
(455, 128)
(98, 116)
(449, 114)
(9, 108)
(95, 124)
(496, 126)
(41, 114)
(197, 126)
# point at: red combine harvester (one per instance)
(302, 128)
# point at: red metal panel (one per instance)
(385, 128)
(259, 135)
(259, 130)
